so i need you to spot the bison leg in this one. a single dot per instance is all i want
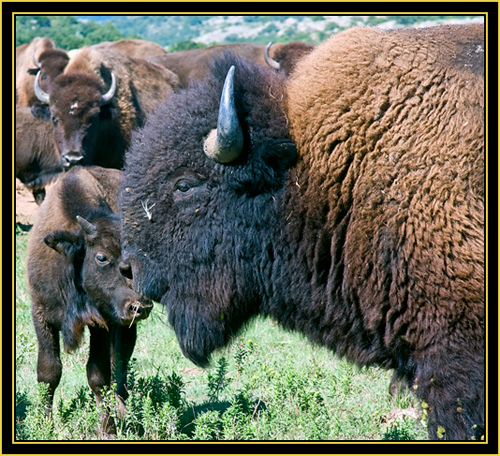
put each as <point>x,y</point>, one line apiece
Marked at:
<point>124,343</point>
<point>452,391</point>
<point>49,366</point>
<point>99,375</point>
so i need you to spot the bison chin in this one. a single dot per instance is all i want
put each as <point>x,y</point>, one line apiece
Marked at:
<point>200,329</point>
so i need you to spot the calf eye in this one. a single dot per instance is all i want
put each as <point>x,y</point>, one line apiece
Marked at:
<point>101,259</point>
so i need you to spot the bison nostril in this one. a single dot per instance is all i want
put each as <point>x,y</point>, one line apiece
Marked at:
<point>126,270</point>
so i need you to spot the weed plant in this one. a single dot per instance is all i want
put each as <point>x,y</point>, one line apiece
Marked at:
<point>267,385</point>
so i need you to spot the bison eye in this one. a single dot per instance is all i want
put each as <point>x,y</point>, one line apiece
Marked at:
<point>101,259</point>
<point>55,120</point>
<point>182,186</point>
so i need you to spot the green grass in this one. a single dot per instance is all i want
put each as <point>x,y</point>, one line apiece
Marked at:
<point>267,385</point>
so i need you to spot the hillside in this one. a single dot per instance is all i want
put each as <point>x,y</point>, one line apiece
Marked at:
<point>168,30</point>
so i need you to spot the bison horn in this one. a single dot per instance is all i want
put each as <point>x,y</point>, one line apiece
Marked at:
<point>35,61</point>
<point>225,143</point>
<point>271,62</point>
<point>40,94</point>
<point>88,227</point>
<point>106,98</point>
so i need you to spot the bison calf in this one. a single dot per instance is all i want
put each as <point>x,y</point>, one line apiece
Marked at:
<point>74,278</point>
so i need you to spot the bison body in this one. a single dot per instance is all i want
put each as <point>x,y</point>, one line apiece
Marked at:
<point>138,49</point>
<point>352,213</point>
<point>38,162</point>
<point>73,263</point>
<point>195,64</point>
<point>97,102</point>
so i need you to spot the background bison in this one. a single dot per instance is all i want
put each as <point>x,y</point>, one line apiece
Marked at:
<point>73,271</point>
<point>368,238</point>
<point>97,102</point>
<point>38,161</point>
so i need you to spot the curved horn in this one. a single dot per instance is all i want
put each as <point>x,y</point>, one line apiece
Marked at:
<point>225,143</point>
<point>106,98</point>
<point>88,227</point>
<point>271,62</point>
<point>35,61</point>
<point>40,94</point>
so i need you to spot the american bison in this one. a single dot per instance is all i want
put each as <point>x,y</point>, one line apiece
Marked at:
<point>347,204</point>
<point>38,161</point>
<point>287,56</point>
<point>73,266</point>
<point>26,56</point>
<point>138,49</point>
<point>194,64</point>
<point>97,102</point>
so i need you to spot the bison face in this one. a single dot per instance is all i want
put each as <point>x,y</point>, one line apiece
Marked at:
<point>197,233</point>
<point>76,104</point>
<point>95,251</point>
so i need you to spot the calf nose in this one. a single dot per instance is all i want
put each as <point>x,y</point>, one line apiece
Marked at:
<point>139,310</point>
<point>71,158</point>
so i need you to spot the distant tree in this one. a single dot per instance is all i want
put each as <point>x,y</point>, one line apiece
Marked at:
<point>185,45</point>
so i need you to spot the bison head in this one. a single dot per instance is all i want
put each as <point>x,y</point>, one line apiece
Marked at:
<point>77,104</point>
<point>197,201</point>
<point>95,253</point>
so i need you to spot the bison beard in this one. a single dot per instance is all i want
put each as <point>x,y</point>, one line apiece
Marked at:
<point>367,236</point>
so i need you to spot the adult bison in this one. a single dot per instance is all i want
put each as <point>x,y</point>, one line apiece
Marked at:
<point>73,273</point>
<point>38,161</point>
<point>27,56</point>
<point>194,64</point>
<point>363,229</point>
<point>138,49</point>
<point>97,102</point>
<point>287,56</point>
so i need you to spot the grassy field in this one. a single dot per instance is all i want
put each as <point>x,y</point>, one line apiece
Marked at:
<point>268,385</point>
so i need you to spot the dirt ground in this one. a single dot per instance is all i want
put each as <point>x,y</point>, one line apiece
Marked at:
<point>25,206</point>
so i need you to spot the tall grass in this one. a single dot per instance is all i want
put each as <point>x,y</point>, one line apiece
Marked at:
<point>267,385</point>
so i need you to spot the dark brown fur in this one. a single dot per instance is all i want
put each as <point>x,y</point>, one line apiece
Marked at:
<point>72,287</point>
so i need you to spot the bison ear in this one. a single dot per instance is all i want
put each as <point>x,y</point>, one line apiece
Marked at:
<point>40,111</point>
<point>63,242</point>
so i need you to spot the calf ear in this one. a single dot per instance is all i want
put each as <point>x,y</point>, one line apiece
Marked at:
<point>65,243</point>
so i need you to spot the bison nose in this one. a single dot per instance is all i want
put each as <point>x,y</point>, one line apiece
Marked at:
<point>71,158</point>
<point>125,270</point>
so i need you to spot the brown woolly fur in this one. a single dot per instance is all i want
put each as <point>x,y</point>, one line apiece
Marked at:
<point>399,151</point>
<point>138,49</point>
<point>354,213</point>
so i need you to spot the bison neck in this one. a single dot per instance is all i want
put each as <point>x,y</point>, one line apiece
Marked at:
<point>308,276</point>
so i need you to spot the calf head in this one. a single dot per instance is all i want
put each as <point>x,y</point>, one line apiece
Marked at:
<point>77,103</point>
<point>107,296</point>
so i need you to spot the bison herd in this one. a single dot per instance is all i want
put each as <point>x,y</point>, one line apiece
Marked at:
<point>338,190</point>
